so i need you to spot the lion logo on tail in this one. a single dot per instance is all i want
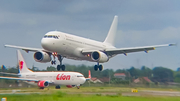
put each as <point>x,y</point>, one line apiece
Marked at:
<point>21,65</point>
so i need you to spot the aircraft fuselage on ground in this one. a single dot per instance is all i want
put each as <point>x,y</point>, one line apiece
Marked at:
<point>43,79</point>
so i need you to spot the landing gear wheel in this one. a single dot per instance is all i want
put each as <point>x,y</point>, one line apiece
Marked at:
<point>63,67</point>
<point>58,67</point>
<point>41,88</point>
<point>96,67</point>
<point>100,67</point>
<point>78,87</point>
<point>58,87</point>
<point>60,58</point>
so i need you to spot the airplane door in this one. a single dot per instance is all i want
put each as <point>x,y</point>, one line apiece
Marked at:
<point>73,77</point>
<point>67,45</point>
<point>67,48</point>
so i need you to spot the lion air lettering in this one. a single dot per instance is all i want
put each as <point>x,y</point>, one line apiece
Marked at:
<point>63,77</point>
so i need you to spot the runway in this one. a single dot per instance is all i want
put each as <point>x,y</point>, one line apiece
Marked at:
<point>125,93</point>
<point>21,92</point>
<point>152,93</point>
<point>139,93</point>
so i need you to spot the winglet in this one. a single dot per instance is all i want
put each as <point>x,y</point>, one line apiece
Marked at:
<point>173,44</point>
<point>89,76</point>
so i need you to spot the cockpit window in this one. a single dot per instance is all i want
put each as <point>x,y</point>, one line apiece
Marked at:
<point>80,76</point>
<point>51,36</point>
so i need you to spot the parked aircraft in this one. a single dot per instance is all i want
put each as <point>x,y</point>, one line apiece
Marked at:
<point>63,45</point>
<point>43,79</point>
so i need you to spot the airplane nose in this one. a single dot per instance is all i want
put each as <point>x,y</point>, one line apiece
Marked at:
<point>45,43</point>
<point>83,80</point>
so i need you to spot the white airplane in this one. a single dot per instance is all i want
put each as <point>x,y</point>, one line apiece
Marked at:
<point>63,45</point>
<point>43,79</point>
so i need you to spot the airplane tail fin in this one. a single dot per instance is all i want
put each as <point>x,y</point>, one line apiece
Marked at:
<point>22,64</point>
<point>89,75</point>
<point>3,67</point>
<point>112,32</point>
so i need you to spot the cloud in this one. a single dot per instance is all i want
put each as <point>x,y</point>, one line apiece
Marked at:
<point>141,23</point>
<point>170,33</point>
<point>148,37</point>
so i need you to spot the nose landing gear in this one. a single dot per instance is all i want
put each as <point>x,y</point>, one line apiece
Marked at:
<point>53,62</point>
<point>78,86</point>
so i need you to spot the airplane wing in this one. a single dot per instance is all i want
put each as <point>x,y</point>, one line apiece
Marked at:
<point>115,51</point>
<point>9,73</point>
<point>15,78</point>
<point>27,49</point>
<point>23,79</point>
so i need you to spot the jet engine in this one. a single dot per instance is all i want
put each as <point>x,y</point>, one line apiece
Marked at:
<point>70,86</point>
<point>43,84</point>
<point>99,56</point>
<point>42,57</point>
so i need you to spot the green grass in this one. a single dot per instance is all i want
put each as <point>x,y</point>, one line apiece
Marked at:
<point>82,90</point>
<point>60,96</point>
<point>83,94</point>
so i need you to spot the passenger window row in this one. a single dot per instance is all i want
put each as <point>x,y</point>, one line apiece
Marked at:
<point>80,76</point>
<point>51,36</point>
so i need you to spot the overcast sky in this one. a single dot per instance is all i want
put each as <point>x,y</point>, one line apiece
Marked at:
<point>141,23</point>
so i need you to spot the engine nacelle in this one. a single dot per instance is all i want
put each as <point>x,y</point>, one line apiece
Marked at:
<point>70,86</point>
<point>99,56</point>
<point>43,84</point>
<point>42,57</point>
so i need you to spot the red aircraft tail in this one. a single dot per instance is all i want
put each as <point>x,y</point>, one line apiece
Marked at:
<point>89,76</point>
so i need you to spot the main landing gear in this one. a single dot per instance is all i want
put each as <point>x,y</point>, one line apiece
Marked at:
<point>58,87</point>
<point>60,66</point>
<point>96,67</point>
<point>41,87</point>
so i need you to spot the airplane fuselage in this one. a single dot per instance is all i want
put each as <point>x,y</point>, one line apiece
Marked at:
<point>70,46</point>
<point>58,78</point>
